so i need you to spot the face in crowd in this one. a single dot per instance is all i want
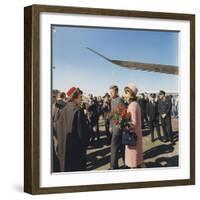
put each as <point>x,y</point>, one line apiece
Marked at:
<point>127,95</point>
<point>161,96</point>
<point>113,92</point>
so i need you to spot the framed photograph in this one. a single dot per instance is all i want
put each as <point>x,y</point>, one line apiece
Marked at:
<point>109,99</point>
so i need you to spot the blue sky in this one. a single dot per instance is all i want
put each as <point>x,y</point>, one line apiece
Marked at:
<point>77,66</point>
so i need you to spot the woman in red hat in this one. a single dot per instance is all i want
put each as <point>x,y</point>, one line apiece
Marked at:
<point>72,133</point>
<point>134,154</point>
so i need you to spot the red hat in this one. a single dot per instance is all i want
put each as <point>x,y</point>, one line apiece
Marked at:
<point>71,91</point>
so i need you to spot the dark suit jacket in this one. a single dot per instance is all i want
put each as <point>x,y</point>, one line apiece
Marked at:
<point>152,110</point>
<point>164,107</point>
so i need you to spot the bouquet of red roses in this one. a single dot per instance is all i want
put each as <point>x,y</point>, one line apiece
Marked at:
<point>121,118</point>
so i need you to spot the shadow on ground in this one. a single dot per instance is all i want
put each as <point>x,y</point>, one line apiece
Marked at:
<point>158,150</point>
<point>163,162</point>
<point>101,154</point>
<point>99,157</point>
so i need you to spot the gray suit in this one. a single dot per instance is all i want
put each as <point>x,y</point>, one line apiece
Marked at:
<point>116,141</point>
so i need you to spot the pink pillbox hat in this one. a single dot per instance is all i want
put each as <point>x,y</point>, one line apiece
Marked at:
<point>133,88</point>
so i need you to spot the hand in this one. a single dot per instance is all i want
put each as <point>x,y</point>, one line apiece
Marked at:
<point>163,115</point>
<point>110,115</point>
<point>131,126</point>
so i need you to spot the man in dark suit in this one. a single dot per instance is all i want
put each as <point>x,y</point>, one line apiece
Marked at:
<point>164,109</point>
<point>153,117</point>
<point>106,108</point>
<point>92,114</point>
<point>142,102</point>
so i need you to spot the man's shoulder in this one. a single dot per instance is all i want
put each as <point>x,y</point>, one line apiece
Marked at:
<point>70,108</point>
<point>116,101</point>
<point>119,100</point>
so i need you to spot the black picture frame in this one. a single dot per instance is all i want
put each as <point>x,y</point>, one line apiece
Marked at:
<point>32,97</point>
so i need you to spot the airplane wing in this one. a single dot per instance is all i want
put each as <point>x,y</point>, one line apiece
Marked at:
<point>167,69</point>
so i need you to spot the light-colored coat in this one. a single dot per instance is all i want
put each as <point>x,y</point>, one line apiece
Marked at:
<point>134,154</point>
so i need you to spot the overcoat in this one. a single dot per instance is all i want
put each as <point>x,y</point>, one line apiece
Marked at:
<point>72,134</point>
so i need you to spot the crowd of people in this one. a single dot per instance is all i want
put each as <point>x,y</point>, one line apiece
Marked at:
<point>75,120</point>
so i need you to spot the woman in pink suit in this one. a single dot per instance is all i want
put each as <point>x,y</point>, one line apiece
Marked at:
<point>134,154</point>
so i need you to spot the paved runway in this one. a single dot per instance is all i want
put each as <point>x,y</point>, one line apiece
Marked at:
<point>156,154</point>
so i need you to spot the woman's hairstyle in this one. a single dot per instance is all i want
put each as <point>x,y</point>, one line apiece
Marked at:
<point>132,94</point>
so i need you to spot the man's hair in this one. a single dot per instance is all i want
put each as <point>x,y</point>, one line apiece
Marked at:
<point>62,95</point>
<point>114,87</point>
<point>162,92</point>
<point>153,95</point>
<point>142,94</point>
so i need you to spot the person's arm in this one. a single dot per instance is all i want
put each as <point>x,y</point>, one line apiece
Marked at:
<point>83,130</point>
<point>55,141</point>
<point>168,108</point>
<point>134,118</point>
<point>159,108</point>
<point>147,109</point>
<point>60,143</point>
